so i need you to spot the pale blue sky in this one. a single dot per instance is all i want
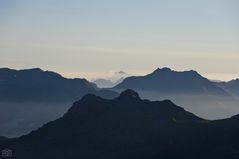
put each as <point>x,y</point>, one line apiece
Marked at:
<point>93,38</point>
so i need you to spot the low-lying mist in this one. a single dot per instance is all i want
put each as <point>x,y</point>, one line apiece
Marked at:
<point>205,106</point>
<point>18,119</point>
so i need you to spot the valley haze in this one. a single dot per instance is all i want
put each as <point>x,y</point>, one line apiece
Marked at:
<point>119,79</point>
<point>31,97</point>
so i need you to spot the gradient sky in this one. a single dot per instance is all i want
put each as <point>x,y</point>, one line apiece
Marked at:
<point>94,38</point>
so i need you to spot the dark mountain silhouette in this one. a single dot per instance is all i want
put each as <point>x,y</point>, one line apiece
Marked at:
<point>128,127</point>
<point>44,86</point>
<point>32,97</point>
<point>188,88</point>
<point>3,138</point>
<point>169,81</point>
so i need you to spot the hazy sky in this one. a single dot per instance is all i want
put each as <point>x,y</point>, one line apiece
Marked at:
<point>93,38</point>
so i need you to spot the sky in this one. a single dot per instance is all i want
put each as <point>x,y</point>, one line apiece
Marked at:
<point>95,38</point>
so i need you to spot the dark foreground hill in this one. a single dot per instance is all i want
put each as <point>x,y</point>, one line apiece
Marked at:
<point>130,128</point>
<point>36,85</point>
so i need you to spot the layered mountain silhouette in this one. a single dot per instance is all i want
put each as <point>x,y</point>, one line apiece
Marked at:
<point>44,86</point>
<point>103,83</point>
<point>128,127</point>
<point>169,81</point>
<point>32,97</point>
<point>188,88</point>
<point>112,81</point>
<point>231,86</point>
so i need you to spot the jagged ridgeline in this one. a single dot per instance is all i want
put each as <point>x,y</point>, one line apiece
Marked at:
<point>37,85</point>
<point>32,97</point>
<point>188,88</point>
<point>128,127</point>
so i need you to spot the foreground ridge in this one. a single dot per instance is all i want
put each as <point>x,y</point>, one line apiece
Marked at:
<point>128,127</point>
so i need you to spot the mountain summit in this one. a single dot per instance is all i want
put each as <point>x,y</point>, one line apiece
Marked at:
<point>36,85</point>
<point>101,128</point>
<point>166,80</point>
<point>129,94</point>
<point>164,69</point>
<point>188,88</point>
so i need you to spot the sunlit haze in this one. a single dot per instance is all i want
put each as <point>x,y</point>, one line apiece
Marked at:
<point>93,38</point>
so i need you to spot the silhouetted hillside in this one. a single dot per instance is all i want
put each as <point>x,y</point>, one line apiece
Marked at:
<point>44,86</point>
<point>128,127</point>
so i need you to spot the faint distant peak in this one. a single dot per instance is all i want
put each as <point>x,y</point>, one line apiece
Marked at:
<point>121,72</point>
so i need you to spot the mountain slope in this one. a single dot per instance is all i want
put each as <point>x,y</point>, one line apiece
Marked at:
<point>169,81</point>
<point>32,97</point>
<point>44,86</point>
<point>188,88</point>
<point>231,86</point>
<point>128,127</point>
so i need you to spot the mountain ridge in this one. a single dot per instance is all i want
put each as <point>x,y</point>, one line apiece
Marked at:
<point>231,86</point>
<point>168,80</point>
<point>116,128</point>
<point>38,85</point>
<point>188,88</point>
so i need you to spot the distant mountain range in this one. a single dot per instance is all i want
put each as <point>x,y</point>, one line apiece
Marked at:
<point>112,81</point>
<point>103,83</point>
<point>130,128</point>
<point>37,85</point>
<point>231,86</point>
<point>31,97</point>
<point>187,88</point>
<point>168,81</point>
